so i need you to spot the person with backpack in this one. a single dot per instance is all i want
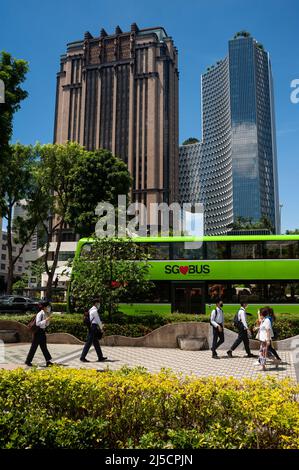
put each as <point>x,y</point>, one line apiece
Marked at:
<point>241,324</point>
<point>38,325</point>
<point>93,322</point>
<point>217,322</point>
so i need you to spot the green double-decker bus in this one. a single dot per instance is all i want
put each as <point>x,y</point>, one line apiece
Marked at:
<point>189,273</point>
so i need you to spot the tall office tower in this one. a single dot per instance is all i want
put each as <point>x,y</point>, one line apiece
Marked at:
<point>120,92</point>
<point>254,159</point>
<point>238,174</point>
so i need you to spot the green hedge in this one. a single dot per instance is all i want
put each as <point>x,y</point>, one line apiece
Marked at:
<point>287,325</point>
<point>59,306</point>
<point>83,409</point>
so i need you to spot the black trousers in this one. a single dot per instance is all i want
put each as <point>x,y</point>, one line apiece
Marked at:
<point>242,336</point>
<point>218,338</point>
<point>39,339</point>
<point>273,351</point>
<point>92,339</point>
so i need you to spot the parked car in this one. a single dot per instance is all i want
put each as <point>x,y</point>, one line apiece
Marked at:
<point>16,304</point>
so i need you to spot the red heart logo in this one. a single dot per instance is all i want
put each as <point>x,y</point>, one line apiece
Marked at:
<point>184,269</point>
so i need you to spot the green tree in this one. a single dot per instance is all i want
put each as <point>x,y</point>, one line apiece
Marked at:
<point>97,176</point>
<point>292,232</point>
<point>247,223</point>
<point>20,284</point>
<point>16,184</point>
<point>12,73</point>
<point>114,269</point>
<point>190,140</point>
<point>74,181</point>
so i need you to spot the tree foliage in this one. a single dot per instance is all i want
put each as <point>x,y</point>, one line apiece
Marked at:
<point>72,181</point>
<point>16,184</point>
<point>114,269</point>
<point>247,223</point>
<point>12,73</point>
<point>190,140</point>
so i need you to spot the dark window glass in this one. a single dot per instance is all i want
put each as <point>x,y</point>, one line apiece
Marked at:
<point>218,290</point>
<point>264,292</point>
<point>243,250</point>
<point>183,250</point>
<point>286,249</point>
<point>19,299</point>
<point>218,250</point>
<point>158,250</point>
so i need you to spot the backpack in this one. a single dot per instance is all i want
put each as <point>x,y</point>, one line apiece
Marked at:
<point>215,310</point>
<point>86,319</point>
<point>32,324</point>
<point>237,323</point>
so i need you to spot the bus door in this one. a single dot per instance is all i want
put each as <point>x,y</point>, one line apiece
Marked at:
<point>188,297</point>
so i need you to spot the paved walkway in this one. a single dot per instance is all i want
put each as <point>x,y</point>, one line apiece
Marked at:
<point>198,363</point>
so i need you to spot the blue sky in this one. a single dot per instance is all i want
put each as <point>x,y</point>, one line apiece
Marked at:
<point>39,30</point>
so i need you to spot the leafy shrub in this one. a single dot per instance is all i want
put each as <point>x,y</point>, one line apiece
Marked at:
<point>59,306</point>
<point>286,325</point>
<point>61,408</point>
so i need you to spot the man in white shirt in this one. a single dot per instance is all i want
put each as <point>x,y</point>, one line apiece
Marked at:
<point>217,322</point>
<point>95,327</point>
<point>42,320</point>
<point>242,333</point>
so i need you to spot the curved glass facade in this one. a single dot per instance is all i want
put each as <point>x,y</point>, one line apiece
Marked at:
<point>216,169</point>
<point>237,174</point>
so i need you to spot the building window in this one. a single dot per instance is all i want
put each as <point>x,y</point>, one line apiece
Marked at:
<point>3,256</point>
<point>2,267</point>
<point>4,236</point>
<point>4,247</point>
<point>20,269</point>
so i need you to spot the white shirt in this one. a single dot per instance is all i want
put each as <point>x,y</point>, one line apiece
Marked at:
<point>217,317</point>
<point>242,317</point>
<point>42,320</point>
<point>265,327</point>
<point>94,317</point>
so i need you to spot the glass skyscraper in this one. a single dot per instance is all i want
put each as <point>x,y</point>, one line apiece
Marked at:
<point>238,172</point>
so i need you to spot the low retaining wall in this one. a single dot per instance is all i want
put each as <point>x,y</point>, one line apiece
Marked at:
<point>164,337</point>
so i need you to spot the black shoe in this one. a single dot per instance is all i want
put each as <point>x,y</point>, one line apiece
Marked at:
<point>102,359</point>
<point>49,363</point>
<point>251,355</point>
<point>84,360</point>
<point>229,353</point>
<point>29,364</point>
<point>215,356</point>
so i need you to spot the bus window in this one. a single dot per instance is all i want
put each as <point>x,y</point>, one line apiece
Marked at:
<point>247,250</point>
<point>218,250</point>
<point>218,290</point>
<point>179,251</point>
<point>158,250</point>
<point>285,249</point>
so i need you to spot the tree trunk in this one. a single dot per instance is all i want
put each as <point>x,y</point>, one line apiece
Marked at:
<point>54,265</point>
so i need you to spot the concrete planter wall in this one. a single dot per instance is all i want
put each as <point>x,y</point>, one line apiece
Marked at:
<point>187,335</point>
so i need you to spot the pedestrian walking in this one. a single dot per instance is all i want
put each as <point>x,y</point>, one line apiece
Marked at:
<point>271,349</point>
<point>265,334</point>
<point>95,327</point>
<point>241,324</point>
<point>217,322</point>
<point>38,326</point>
<point>268,312</point>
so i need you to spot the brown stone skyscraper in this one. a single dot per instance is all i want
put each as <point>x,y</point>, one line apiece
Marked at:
<point>120,92</point>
